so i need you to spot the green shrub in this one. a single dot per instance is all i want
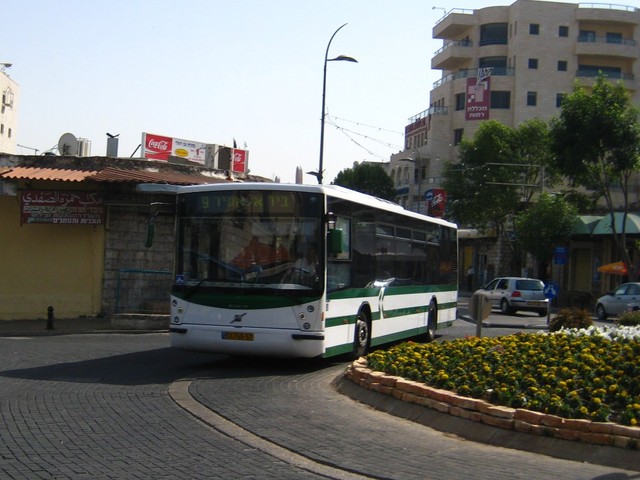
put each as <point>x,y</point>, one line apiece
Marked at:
<point>570,318</point>
<point>629,319</point>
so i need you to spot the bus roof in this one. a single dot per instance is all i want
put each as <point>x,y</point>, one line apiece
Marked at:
<point>335,191</point>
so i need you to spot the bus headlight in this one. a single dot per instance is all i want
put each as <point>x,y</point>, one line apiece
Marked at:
<point>306,325</point>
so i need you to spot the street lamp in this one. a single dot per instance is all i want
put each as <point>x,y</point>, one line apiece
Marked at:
<point>340,58</point>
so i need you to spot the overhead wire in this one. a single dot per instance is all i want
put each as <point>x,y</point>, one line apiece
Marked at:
<point>350,134</point>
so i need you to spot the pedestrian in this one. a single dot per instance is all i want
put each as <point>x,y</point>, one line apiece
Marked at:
<point>470,273</point>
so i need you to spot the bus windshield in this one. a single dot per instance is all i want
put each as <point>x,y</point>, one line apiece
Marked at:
<point>250,239</point>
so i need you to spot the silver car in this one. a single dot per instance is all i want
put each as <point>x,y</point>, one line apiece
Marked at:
<point>513,294</point>
<point>623,298</point>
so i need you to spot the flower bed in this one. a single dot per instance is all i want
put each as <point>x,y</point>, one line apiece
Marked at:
<point>591,374</point>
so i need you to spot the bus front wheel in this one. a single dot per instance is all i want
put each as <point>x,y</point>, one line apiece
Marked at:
<point>361,337</point>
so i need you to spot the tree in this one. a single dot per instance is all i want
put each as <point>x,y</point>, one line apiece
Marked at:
<point>368,178</point>
<point>596,144</point>
<point>498,172</point>
<point>545,225</point>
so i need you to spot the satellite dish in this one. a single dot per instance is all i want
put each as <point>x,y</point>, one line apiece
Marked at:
<point>68,144</point>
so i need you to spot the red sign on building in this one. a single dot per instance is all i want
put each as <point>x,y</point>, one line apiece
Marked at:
<point>157,147</point>
<point>478,99</point>
<point>436,200</point>
<point>239,160</point>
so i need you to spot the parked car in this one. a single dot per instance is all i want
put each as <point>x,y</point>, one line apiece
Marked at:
<point>623,298</point>
<point>513,294</point>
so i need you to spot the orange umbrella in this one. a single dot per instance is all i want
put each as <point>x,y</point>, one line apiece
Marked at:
<point>617,268</point>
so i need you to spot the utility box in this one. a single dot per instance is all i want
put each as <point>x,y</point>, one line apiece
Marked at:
<point>479,307</point>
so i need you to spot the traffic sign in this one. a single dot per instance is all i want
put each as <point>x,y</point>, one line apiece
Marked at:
<point>551,290</point>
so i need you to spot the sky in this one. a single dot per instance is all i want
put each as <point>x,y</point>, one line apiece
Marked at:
<point>216,71</point>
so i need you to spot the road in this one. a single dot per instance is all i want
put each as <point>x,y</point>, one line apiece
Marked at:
<point>113,406</point>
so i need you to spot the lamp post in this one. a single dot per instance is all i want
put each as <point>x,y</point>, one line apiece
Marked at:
<point>340,58</point>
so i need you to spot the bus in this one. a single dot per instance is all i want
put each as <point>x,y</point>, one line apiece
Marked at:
<point>293,270</point>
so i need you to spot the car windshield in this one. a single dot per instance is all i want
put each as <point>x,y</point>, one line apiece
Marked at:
<point>533,285</point>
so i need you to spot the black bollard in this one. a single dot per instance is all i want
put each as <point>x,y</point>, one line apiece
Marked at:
<point>50,318</point>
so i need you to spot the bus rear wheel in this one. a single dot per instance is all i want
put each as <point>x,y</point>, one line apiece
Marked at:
<point>362,336</point>
<point>432,321</point>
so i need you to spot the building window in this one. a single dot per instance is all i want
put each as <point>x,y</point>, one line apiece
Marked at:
<point>2,129</point>
<point>532,99</point>
<point>460,104</point>
<point>559,99</point>
<point>493,34</point>
<point>501,99</point>
<point>457,135</point>
<point>614,37</point>
<point>562,65</point>
<point>533,63</point>
<point>587,36</point>
<point>563,31</point>
<point>9,133</point>
<point>534,29</point>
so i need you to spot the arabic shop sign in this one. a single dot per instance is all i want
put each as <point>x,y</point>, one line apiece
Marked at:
<point>61,207</point>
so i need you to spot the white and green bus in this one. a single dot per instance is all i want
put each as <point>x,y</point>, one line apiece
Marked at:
<point>306,271</point>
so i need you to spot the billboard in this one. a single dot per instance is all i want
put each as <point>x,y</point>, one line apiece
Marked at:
<point>239,160</point>
<point>478,96</point>
<point>436,202</point>
<point>159,147</point>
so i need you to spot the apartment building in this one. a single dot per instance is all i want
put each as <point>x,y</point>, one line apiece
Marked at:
<point>8,111</point>
<point>510,64</point>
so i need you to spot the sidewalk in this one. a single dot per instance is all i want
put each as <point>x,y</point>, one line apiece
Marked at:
<point>67,326</point>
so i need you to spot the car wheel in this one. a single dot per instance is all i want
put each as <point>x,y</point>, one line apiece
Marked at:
<point>505,309</point>
<point>542,313</point>
<point>601,312</point>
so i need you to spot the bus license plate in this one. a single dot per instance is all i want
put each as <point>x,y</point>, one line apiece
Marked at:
<point>247,337</point>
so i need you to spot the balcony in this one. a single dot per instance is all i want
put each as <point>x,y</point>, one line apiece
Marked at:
<point>606,46</point>
<point>587,77</point>
<point>452,55</point>
<point>471,72</point>
<point>601,13</point>
<point>454,24</point>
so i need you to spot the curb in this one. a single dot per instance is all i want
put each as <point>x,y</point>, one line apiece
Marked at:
<point>607,444</point>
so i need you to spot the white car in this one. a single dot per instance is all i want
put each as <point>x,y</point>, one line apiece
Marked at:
<point>623,298</point>
<point>513,294</point>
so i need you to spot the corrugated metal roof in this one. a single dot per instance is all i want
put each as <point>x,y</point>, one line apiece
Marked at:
<point>111,174</point>
<point>59,174</point>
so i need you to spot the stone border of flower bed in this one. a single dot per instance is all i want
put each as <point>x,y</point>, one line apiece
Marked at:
<point>517,419</point>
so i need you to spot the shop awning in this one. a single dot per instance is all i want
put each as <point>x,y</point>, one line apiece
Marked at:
<point>586,224</point>
<point>603,227</point>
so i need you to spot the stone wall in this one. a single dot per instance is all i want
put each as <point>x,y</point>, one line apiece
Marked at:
<point>132,282</point>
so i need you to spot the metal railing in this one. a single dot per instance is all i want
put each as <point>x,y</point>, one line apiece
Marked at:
<point>142,291</point>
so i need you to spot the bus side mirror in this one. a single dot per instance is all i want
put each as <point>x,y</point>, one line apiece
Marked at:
<point>334,241</point>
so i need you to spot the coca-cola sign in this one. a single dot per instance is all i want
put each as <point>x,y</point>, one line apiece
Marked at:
<point>239,160</point>
<point>157,147</point>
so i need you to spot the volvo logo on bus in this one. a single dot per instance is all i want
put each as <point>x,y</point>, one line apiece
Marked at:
<point>238,317</point>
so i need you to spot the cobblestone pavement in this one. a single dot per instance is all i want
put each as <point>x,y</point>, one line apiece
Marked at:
<point>98,406</point>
